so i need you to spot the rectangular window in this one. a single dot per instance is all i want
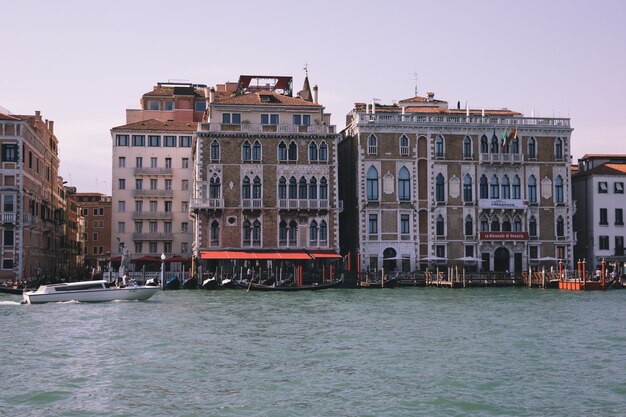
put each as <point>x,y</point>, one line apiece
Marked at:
<point>185,142</point>
<point>440,251</point>
<point>619,245</point>
<point>168,206</point>
<point>8,237</point>
<point>121,227</point>
<point>604,243</point>
<point>167,227</point>
<point>139,206</point>
<point>95,236</point>
<point>603,187</point>
<point>297,119</point>
<point>533,252</point>
<point>185,162</point>
<point>604,216</point>
<point>154,105</point>
<point>469,251</point>
<point>138,247</point>
<point>121,162</point>
<point>184,184</point>
<point>200,105</point>
<point>138,184</point>
<point>138,227</point>
<point>139,140</point>
<point>153,206</point>
<point>153,183</point>
<point>7,263</point>
<point>120,140</point>
<point>101,211</point>
<point>95,223</point>
<point>168,162</point>
<point>404,224</point>
<point>154,141</point>
<point>121,206</point>
<point>184,206</point>
<point>169,105</point>
<point>139,162</point>
<point>184,227</point>
<point>153,162</point>
<point>152,226</point>
<point>169,141</point>
<point>152,247</point>
<point>373,224</point>
<point>269,119</point>
<point>167,247</point>
<point>168,184</point>
<point>121,184</point>
<point>618,188</point>
<point>184,247</point>
<point>619,217</point>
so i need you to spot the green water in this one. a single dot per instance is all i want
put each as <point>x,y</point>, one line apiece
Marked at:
<point>346,352</point>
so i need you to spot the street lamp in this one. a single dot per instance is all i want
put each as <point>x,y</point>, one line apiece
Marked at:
<point>162,270</point>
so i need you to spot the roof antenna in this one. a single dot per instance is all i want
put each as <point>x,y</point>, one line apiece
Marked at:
<point>415,79</point>
<point>306,69</point>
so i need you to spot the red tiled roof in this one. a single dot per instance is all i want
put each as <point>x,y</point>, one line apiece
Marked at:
<point>603,155</point>
<point>153,124</point>
<point>604,169</point>
<point>418,99</point>
<point>437,110</point>
<point>8,117</point>
<point>254,99</point>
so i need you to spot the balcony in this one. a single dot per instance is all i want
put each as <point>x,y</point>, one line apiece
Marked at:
<point>153,193</point>
<point>30,220</point>
<point>472,119</point>
<point>153,236</point>
<point>259,128</point>
<point>252,203</point>
<point>501,158</point>
<point>295,204</point>
<point>207,203</point>
<point>8,217</point>
<point>152,215</point>
<point>153,171</point>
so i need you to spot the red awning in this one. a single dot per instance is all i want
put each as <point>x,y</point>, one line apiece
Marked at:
<point>325,255</point>
<point>254,255</point>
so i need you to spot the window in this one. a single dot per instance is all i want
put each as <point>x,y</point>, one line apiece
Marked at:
<point>121,162</point>
<point>558,190</point>
<point>313,233</point>
<point>121,184</point>
<point>495,187</point>
<point>532,148</point>
<point>152,227</point>
<point>154,141</point>
<point>153,206</point>
<point>293,151</point>
<point>302,189</point>
<point>246,151</point>
<point>153,184</point>
<point>168,206</point>
<point>154,105</point>
<point>8,203</point>
<point>184,227</point>
<point>469,251</point>
<point>312,151</point>
<point>138,184</point>
<point>558,148</point>
<point>560,227</point>
<point>214,187</point>
<point>619,217</point>
<point>619,245</point>
<point>514,146</point>
<point>167,227</point>
<point>372,184</point>
<point>516,188</point>
<point>282,233</point>
<point>323,189</point>
<point>313,189</point>
<point>282,188</point>
<point>138,247</point>
<point>293,233</point>
<point>440,188</point>
<point>517,224</point>
<point>169,105</point>
<point>185,142</point>
<point>168,163</point>
<point>484,187</point>
<point>120,140</point>
<point>152,247</point>
<point>95,236</point>
<point>256,151</point>
<point>323,156</point>
<point>121,227</point>
<point>484,144</point>
<point>139,140</point>
<point>231,118</point>
<point>467,147</point>
<point>282,151</point>
<point>439,147</point>
<point>185,163</point>
<point>139,162</point>
<point>404,185</point>
<point>440,251</point>
<point>169,141</point>
<point>139,206</point>
<point>269,119</point>
<point>532,189</point>
<point>8,237</point>
<point>604,242</point>
<point>439,226</point>
<point>469,226</point>
<point>495,224</point>
<point>301,119</point>
<point>200,105</point>
<point>604,217</point>
<point>484,224</point>
<point>603,187</point>
<point>121,206</point>
<point>153,162</point>
<point>215,150</point>
<point>373,224</point>
<point>372,145</point>
<point>506,188</point>
<point>618,188</point>
<point>404,224</point>
<point>323,232</point>
<point>404,145</point>
<point>533,252</point>
<point>494,144</point>
<point>293,188</point>
<point>215,233</point>
<point>245,188</point>
<point>168,184</point>
<point>184,185</point>
<point>256,188</point>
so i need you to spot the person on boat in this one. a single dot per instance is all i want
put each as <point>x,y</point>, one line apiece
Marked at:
<point>124,280</point>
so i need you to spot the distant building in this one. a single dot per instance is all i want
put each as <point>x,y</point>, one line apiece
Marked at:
<point>96,210</point>
<point>265,173</point>
<point>33,208</point>
<point>598,191</point>
<point>426,186</point>
<point>152,172</point>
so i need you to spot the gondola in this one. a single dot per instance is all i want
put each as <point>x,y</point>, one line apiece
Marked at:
<point>172,284</point>
<point>312,287</point>
<point>388,283</point>
<point>210,284</point>
<point>190,283</point>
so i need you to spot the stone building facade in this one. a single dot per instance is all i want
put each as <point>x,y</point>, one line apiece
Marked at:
<point>433,187</point>
<point>96,211</point>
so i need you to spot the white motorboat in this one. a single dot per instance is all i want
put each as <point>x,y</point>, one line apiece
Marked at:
<point>87,291</point>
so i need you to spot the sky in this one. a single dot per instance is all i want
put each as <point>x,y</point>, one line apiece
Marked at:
<point>83,63</point>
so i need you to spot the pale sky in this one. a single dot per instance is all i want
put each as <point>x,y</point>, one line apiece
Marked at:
<point>83,63</point>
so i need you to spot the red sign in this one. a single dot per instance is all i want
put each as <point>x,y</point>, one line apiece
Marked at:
<point>503,235</point>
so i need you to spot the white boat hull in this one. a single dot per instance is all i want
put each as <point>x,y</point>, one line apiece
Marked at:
<point>48,294</point>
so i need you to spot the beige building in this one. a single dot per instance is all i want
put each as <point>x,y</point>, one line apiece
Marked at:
<point>426,186</point>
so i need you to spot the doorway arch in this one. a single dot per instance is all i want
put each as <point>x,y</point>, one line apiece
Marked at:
<point>389,259</point>
<point>501,260</point>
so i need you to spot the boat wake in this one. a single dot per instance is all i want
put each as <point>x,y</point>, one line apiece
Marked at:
<point>10,303</point>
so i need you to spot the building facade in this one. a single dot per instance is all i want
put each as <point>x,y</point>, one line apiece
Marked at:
<point>431,187</point>
<point>96,211</point>
<point>33,208</point>
<point>265,171</point>
<point>598,190</point>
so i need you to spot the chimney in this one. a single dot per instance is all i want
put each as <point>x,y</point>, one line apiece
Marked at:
<point>206,96</point>
<point>430,95</point>
<point>373,107</point>
<point>51,127</point>
<point>315,94</point>
<point>211,95</point>
<point>37,115</point>
<point>367,108</point>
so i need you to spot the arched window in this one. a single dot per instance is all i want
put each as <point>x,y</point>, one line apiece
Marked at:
<point>532,226</point>
<point>293,233</point>
<point>256,151</point>
<point>323,152</point>
<point>302,188</point>
<point>245,188</point>
<point>282,233</point>
<point>215,233</point>
<point>293,151</point>
<point>313,189</point>
<point>484,144</point>
<point>517,224</point>
<point>506,187</point>
<point>372,145</point>
<point>440,225</point>
<point>532,189</point>
<point>560,227</point>
<point>214,187</point>
<point>372,184</point>
<point>484,187</point>
<point>313,233</point>
<point>495,224</point>
<point>282,188</point>
<point>467,188</point>
<point>404,145</point>
<point>517,193</point>
<point>494,144</point>
<point>467,147</point>
<point>323,189</point>
<point>256,188</point>
<point>514,147</point>
<point>440,188</point>
<point>506,225</point>
<point>404,184</point>
<point>215,150</point>
<point>532,148</point>
<point>558,148</point>
<point>246,152</point>
<point>256,233</point>
<point>282,151</point>
<point>484,224</point>
<point>293,188</point>
<point>558,190</point>
<point>469,226</point>
<point>495,187</point>
<point>439,147</point>
<point>323,232</point>
<point>312,151</point>
<point>247,233</point>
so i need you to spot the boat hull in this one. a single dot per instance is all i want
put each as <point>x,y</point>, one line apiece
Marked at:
<point>92,296</point>
<point>260,287</point>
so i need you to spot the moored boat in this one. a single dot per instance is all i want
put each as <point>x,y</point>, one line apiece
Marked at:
<point>87,291</point>
<point>311,287</point>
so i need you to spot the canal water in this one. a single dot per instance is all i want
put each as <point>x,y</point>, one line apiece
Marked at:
<point>344,352</point>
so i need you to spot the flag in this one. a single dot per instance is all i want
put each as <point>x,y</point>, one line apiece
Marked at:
<point>513,134</point>
<point>504,138</point>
